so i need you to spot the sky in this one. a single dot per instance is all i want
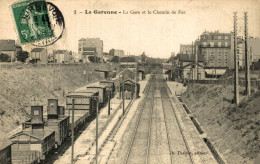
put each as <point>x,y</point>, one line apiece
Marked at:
<point>155,34</point>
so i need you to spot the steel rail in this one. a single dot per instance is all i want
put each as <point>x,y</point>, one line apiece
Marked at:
<point>138,122</point>
<point>167,130</point>
<point>178,122</point>
<point>149,133</point>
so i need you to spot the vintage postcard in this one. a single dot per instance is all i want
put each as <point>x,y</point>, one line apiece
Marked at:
<point>129,81</point>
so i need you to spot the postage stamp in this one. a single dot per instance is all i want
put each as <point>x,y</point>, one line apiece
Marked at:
<point>32,21</point>
<point>38,22</point>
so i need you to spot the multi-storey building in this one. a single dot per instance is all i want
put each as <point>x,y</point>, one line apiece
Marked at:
<point>86,43</point>
<point>62,56</point>
<point>8,47</point>
<point>216,49</point>
<point>186,49</point>
<point>119,53</point>
<point>39,55</point>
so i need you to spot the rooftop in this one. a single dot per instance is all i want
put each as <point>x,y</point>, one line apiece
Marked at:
<point>36,133</point>
<point>7,45</point>
<point>37,49</point>
<point>86,94</point>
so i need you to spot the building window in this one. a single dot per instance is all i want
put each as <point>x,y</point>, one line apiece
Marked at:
<point>225,57</point>
<point>226,37</point>
<point>219,44</point>
<point>215,37</point>
<point>79,49</point>
<point>226,44</point>
<point>219,37</point>
<point>211,44</point>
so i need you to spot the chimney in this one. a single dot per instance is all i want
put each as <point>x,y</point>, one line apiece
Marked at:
<point>37,117</point>
<point>52,109</point>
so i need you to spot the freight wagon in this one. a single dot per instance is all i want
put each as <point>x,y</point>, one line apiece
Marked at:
<point>36,138</point>
<point>84,106</point>
<point>5,151</point>
<point>110,84</point>
<point>102,91</point>
<point>57,121</point>
<point>84,100</point>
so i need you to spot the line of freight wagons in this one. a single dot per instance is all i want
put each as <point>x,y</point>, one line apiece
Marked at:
<point>41,135</point>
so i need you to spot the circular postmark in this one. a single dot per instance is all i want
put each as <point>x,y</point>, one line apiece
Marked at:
<point>41,24</point>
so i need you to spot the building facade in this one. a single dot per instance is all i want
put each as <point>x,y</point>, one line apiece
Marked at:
<point>62,56</point>
<point>40,55</point>
<point>186,49</point>
<point>216,49</point>
<point>119,53</point>
<point>254,48</point>
<point>86,43</point>
<point>8,47</point>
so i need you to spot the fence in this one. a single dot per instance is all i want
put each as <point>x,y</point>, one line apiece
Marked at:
<point>255,83</point>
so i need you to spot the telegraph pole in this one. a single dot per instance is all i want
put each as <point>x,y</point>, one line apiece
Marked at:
<point>109,97</point>
<point>136,81</point>
<point>247,60</point>
<point>72,133</point>
<point>196,63</point>
<point>97,130</point>
<point>123,94</point>
<point>236,89</point>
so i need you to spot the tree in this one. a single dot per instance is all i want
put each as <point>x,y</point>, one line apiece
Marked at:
<point>4,58</point>
<point>22,56</point>
<point>91,58</point>
<point>112,52</point>
<point>115,59</point>
<point>143,57</point>
<point>105,54</point>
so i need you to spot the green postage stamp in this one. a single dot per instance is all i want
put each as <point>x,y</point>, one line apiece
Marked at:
<point>32,20</point>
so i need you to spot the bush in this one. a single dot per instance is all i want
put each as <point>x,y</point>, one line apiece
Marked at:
<point>22,56</point>
<point>5,58</point>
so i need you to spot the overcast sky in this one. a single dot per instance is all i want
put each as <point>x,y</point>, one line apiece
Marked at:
<point>156,34</point>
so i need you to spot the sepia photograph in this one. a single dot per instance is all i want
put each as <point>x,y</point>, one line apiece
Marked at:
<point>129,81</point>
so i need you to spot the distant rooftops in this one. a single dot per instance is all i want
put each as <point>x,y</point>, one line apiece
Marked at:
<point>37,49</point>
<point>7,45</point>
<point>189,58</point>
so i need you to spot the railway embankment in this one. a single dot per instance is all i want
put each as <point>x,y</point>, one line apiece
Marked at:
<point>23,87</point>
<point>234,130</point>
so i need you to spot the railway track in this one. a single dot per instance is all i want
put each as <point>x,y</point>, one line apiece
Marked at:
<point>178,147</point>
<point>138,151</point>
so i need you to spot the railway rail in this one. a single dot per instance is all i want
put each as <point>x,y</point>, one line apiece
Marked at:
<point>176,139</point>
<point>138,151</point>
